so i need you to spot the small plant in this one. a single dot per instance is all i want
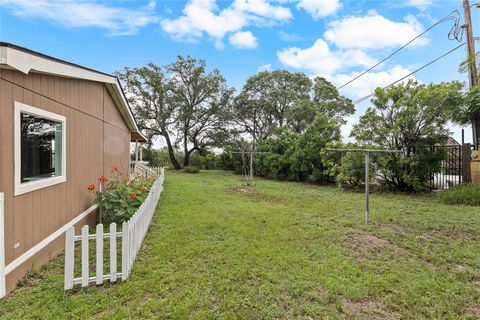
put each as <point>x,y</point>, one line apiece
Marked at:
<point>191,169</point>
<point>466,194</point>
<point>118,197</point>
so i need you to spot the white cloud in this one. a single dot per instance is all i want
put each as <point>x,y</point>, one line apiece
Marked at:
<point>421,4</point>
<point>203,17</point>
<point>367,83</point>
<point>76,14</point>
<point>263,8</point>
<point>243,40</point>
<point>320,60</point>
<point>319,8</point>
<point>288,37</point>
<point>373,32</point>
<point>265,67</point>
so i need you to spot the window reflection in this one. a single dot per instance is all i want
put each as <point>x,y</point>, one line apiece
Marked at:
<point>41,148</point>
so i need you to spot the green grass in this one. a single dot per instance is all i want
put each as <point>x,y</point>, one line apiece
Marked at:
<point>217,250</point>
<point>468,194</point>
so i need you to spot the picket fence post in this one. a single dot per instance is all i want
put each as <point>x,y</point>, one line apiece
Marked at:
<point>113,252</point>
<point>85,270</point>
<point>69,257</point>
<point>99,260</point>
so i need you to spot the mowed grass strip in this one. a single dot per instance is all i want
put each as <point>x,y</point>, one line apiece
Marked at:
<point>281,250</point>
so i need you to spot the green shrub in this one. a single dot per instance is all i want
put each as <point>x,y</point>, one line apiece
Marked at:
<point>191,169</point>
<point>466,194</point>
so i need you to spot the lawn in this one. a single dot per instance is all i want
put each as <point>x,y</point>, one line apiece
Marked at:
<point>218,250</point>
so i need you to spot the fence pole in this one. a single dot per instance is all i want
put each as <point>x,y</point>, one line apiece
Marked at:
<point>124,251</point>
<point>113,252</point>
<point>69,257</point>
<point>99,260</point>
<point>367,178</point>
<point>466,158</point>
<point>85,256</point>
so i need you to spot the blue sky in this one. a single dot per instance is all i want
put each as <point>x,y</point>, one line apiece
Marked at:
<point>332,38</point>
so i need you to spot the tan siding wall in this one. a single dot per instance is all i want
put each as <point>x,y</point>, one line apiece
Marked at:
<point>93,146</point>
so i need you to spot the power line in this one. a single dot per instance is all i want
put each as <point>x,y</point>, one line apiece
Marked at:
<point>456,32</point>
<point>415,71</point>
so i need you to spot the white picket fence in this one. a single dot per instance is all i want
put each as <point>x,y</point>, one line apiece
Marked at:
<point>140,169</point>
<point>132,234</point>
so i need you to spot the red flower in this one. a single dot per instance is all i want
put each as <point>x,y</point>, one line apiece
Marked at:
<point>102,179</point>
<point>133,196</point>
<point>91,187</point>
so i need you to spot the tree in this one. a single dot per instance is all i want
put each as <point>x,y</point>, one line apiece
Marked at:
<point>203,101</point>
<point>329,101</point>
<point>301,115</point>
<point>180,103</point>
<point>411,117</point>
<point>148,94</point>
<point>266,99</point>
<point>297,156</point>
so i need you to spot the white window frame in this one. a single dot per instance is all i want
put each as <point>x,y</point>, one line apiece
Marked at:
<point>21,188</point>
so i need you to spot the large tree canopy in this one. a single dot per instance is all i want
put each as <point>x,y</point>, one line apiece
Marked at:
<point>267,97</point>
<point>282,98</point>
<point>329,101</point>
<point>203,103</point>
<point>181,103</point>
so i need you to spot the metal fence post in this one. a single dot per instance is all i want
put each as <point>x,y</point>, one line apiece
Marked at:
<point>367,178</point>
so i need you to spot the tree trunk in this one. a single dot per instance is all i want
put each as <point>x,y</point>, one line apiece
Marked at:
<point>186,154</point>
<point>186,159</point>
<point>171,153</point>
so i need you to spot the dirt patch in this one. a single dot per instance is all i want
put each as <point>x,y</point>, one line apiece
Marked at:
<point>362,243</point>
<point>30,279</point>
<point>255,195</point>
<point>366,310</point>
<point>475,310</point>
<point>146,296</point>
<point>398,229</point>
<point>242,189</point>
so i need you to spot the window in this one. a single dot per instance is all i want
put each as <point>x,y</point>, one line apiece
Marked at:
<point>39,148</point>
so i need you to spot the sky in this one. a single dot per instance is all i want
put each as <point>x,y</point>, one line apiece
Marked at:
<point>335,39</point>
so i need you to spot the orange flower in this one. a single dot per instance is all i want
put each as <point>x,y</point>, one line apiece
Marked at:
<point>115,169</point>
<point>102,179</point>
<point>133,196</point>
<point>91,187</point>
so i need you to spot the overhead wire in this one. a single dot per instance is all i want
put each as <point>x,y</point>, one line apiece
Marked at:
<point>413,72</point>
<point>455,33</point>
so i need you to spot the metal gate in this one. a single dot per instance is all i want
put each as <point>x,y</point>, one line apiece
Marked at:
<point>455,168</point>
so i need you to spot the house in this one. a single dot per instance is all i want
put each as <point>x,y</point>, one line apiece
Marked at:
<point>61,127</point>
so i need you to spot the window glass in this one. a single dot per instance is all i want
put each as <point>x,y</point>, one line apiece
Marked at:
<point>41,147</point>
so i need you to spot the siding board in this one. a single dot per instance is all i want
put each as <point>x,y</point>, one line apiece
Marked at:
<point>6,128</point>
<point>93,146</point>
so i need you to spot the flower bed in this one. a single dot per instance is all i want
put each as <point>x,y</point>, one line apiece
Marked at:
<point>118,196</point>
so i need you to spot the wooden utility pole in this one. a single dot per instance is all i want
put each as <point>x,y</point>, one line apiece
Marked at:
<point>472,68</point>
